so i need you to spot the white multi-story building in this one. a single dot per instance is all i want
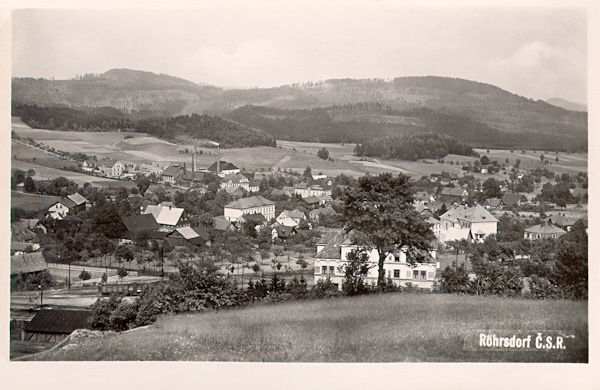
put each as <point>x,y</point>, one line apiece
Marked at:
<point>252,205</point>
<point>234,180</point>
<point>469,223</point>
<point>304,190</point>
<point>330,260</point>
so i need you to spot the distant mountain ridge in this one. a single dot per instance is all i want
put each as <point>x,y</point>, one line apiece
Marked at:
<point>492,107</point>
<point>567,105</point>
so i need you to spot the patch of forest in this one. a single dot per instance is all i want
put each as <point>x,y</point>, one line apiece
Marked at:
<point>214,128</point>
<point>413,146</point>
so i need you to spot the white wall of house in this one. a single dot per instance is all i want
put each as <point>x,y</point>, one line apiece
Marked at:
<point>396,268</point>
<point>58,211</point>
<point>232,214</point>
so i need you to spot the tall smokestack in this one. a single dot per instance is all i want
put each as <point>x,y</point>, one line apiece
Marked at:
<point>218,160</point>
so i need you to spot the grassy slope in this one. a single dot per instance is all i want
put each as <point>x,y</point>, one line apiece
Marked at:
<point>390,328</point>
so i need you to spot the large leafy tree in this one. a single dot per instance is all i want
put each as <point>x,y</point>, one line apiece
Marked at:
<point>380,214</point>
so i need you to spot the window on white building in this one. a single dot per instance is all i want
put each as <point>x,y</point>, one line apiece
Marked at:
<point>415,274</point>
<point>331,270</point>
<point>423,274</point>
<point>396,273</point>
<point>324,269</point>
<point>397,258</point>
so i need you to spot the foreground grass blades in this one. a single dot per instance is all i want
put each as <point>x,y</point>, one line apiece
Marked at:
<point>388,328</point>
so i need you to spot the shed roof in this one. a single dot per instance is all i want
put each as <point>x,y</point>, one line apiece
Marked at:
<point>138,223</point>
<point>253,201</point>
<point>77,198</point>
<point>165,215</point>
<point>58,321</point>
<point>27,263</point>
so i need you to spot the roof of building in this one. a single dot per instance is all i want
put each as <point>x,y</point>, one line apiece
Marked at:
<point>165,215</point>
<point>562,220</point>
<point>138,223</point>
<point>256,218</point>
<point>327,234</point>
<point>493,202</point>
<point>235,191</point>
<point>58,321</point>
<point>225,166</point>
<point>333,249</point>
<point>190,233</point>
<point>68,203</point>
<point>253,201</point>
<point>19,246</point>
<point>453,191</point>
<point>235,178</point>
<point>323,211</point>
<point>285,231</point>
<point>546,228</point>
<point>292,214</point>
<point>469,214</point>
<point>22,234</point>
<point>287,222</point>
<point>509,199</point>
<point>27,262</point>
<point>173,170</point>
<point>222,223</point>
<point>311,200</point>
<point>77,198</point>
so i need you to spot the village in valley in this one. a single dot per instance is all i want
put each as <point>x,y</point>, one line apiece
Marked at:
<point>299,182</point>
<point>131,228</point>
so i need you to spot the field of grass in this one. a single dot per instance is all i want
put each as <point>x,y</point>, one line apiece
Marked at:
<point>288,155</point>
<point>31,201</point>
<point>389,328</point>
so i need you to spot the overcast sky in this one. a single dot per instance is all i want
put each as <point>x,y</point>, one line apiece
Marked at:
<point>534,52</point>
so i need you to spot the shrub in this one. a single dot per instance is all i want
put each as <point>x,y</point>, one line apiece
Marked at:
<point>542,288</point>
<point>455,279</point>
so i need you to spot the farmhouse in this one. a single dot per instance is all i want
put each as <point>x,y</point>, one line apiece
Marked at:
<point>251,205</point>
<point>234,180</point>
<point>457,195</point>
<point>172,173</point>
<point>470,223</point>
<point>295,215</point>
<point>283,232</point>
<point>512,200</point>
<point>543,231</point>
<point>223,224</point>
<point>189,236</point>
<point>317,214</point>
<point>330,260</point>
<point>143,225</point>
<point>112,168</point>
<point>167,215</point>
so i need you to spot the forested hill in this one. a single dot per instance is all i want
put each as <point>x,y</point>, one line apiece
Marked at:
<point>496,109</point>
<point>200,127</point>
<point>361,122</point>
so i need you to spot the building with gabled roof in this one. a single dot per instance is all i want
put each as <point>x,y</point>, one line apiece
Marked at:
<point>112,168</point>
<point>283,232</point>
<point>168,216</point>
<point>295,215</point>
<point>331,258</point>
<point>251,205</point>
<point>305,190</point>
<point>470,223</point>
<point>449,194</point>
<point>224,168</point>
<point>60,209</point>
<point>187,235</point>
<point>223,224</point>
<point>172,173</point>
<point>55,325</point>
<point>27,263</point>
<point>234,180</point>
<point>543,231</point>
<point>511,200</point>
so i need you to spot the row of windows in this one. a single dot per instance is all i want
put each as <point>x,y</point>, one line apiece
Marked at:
<point>416,274</point>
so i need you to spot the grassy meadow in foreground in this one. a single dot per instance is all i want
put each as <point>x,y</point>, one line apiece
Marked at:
<point>389,328</point>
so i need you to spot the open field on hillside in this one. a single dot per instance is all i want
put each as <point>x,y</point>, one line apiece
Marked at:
<point>288,155</point>
<point>388,328</point>
<point>45,173</point>
<point>26,153</point>
<point>31,202</point>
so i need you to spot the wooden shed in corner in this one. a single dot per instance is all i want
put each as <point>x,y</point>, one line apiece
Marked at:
<point>55,325</point>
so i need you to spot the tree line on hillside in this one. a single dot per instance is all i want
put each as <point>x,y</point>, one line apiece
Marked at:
<point>225,132</point>
<point>358,122</point>
<point>412,147</point>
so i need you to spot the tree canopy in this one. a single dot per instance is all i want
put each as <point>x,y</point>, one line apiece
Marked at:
<point>380,215</point>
